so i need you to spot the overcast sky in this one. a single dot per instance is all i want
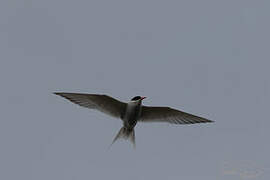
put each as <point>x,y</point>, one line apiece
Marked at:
<point>209,58</point>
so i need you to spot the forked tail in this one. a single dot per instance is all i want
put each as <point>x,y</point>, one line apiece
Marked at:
<point>126,134</point>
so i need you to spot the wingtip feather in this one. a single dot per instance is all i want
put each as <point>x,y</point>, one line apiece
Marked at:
<point>209,121</point>
<point>58,93</point>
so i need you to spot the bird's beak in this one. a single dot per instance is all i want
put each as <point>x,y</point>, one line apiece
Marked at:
<point>143,97</point>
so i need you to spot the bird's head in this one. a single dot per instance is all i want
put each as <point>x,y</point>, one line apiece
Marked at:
<point>137,99</point>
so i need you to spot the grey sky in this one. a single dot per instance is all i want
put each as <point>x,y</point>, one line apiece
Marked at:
<point>210,58</point>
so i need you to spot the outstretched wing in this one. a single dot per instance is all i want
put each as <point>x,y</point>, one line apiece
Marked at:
<point>167,114</point>
<point>103,103</point>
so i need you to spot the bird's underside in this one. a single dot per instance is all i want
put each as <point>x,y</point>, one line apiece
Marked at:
<point>117,109</point>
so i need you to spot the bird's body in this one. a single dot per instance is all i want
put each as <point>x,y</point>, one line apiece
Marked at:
<point>132,112</point>
<point>130,118</point>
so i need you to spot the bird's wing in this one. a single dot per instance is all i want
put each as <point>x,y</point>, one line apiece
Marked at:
<point>103,103</point>
<point>167,114</point>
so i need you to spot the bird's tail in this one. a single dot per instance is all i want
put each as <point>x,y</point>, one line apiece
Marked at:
<point>126,134</point>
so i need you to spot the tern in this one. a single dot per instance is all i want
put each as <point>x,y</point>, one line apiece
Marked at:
<point>132,112</point>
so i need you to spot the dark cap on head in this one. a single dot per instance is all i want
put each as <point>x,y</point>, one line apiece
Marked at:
<point>136,98</point>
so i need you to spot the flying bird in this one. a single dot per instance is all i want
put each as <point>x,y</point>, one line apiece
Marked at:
<point>132,112</point>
